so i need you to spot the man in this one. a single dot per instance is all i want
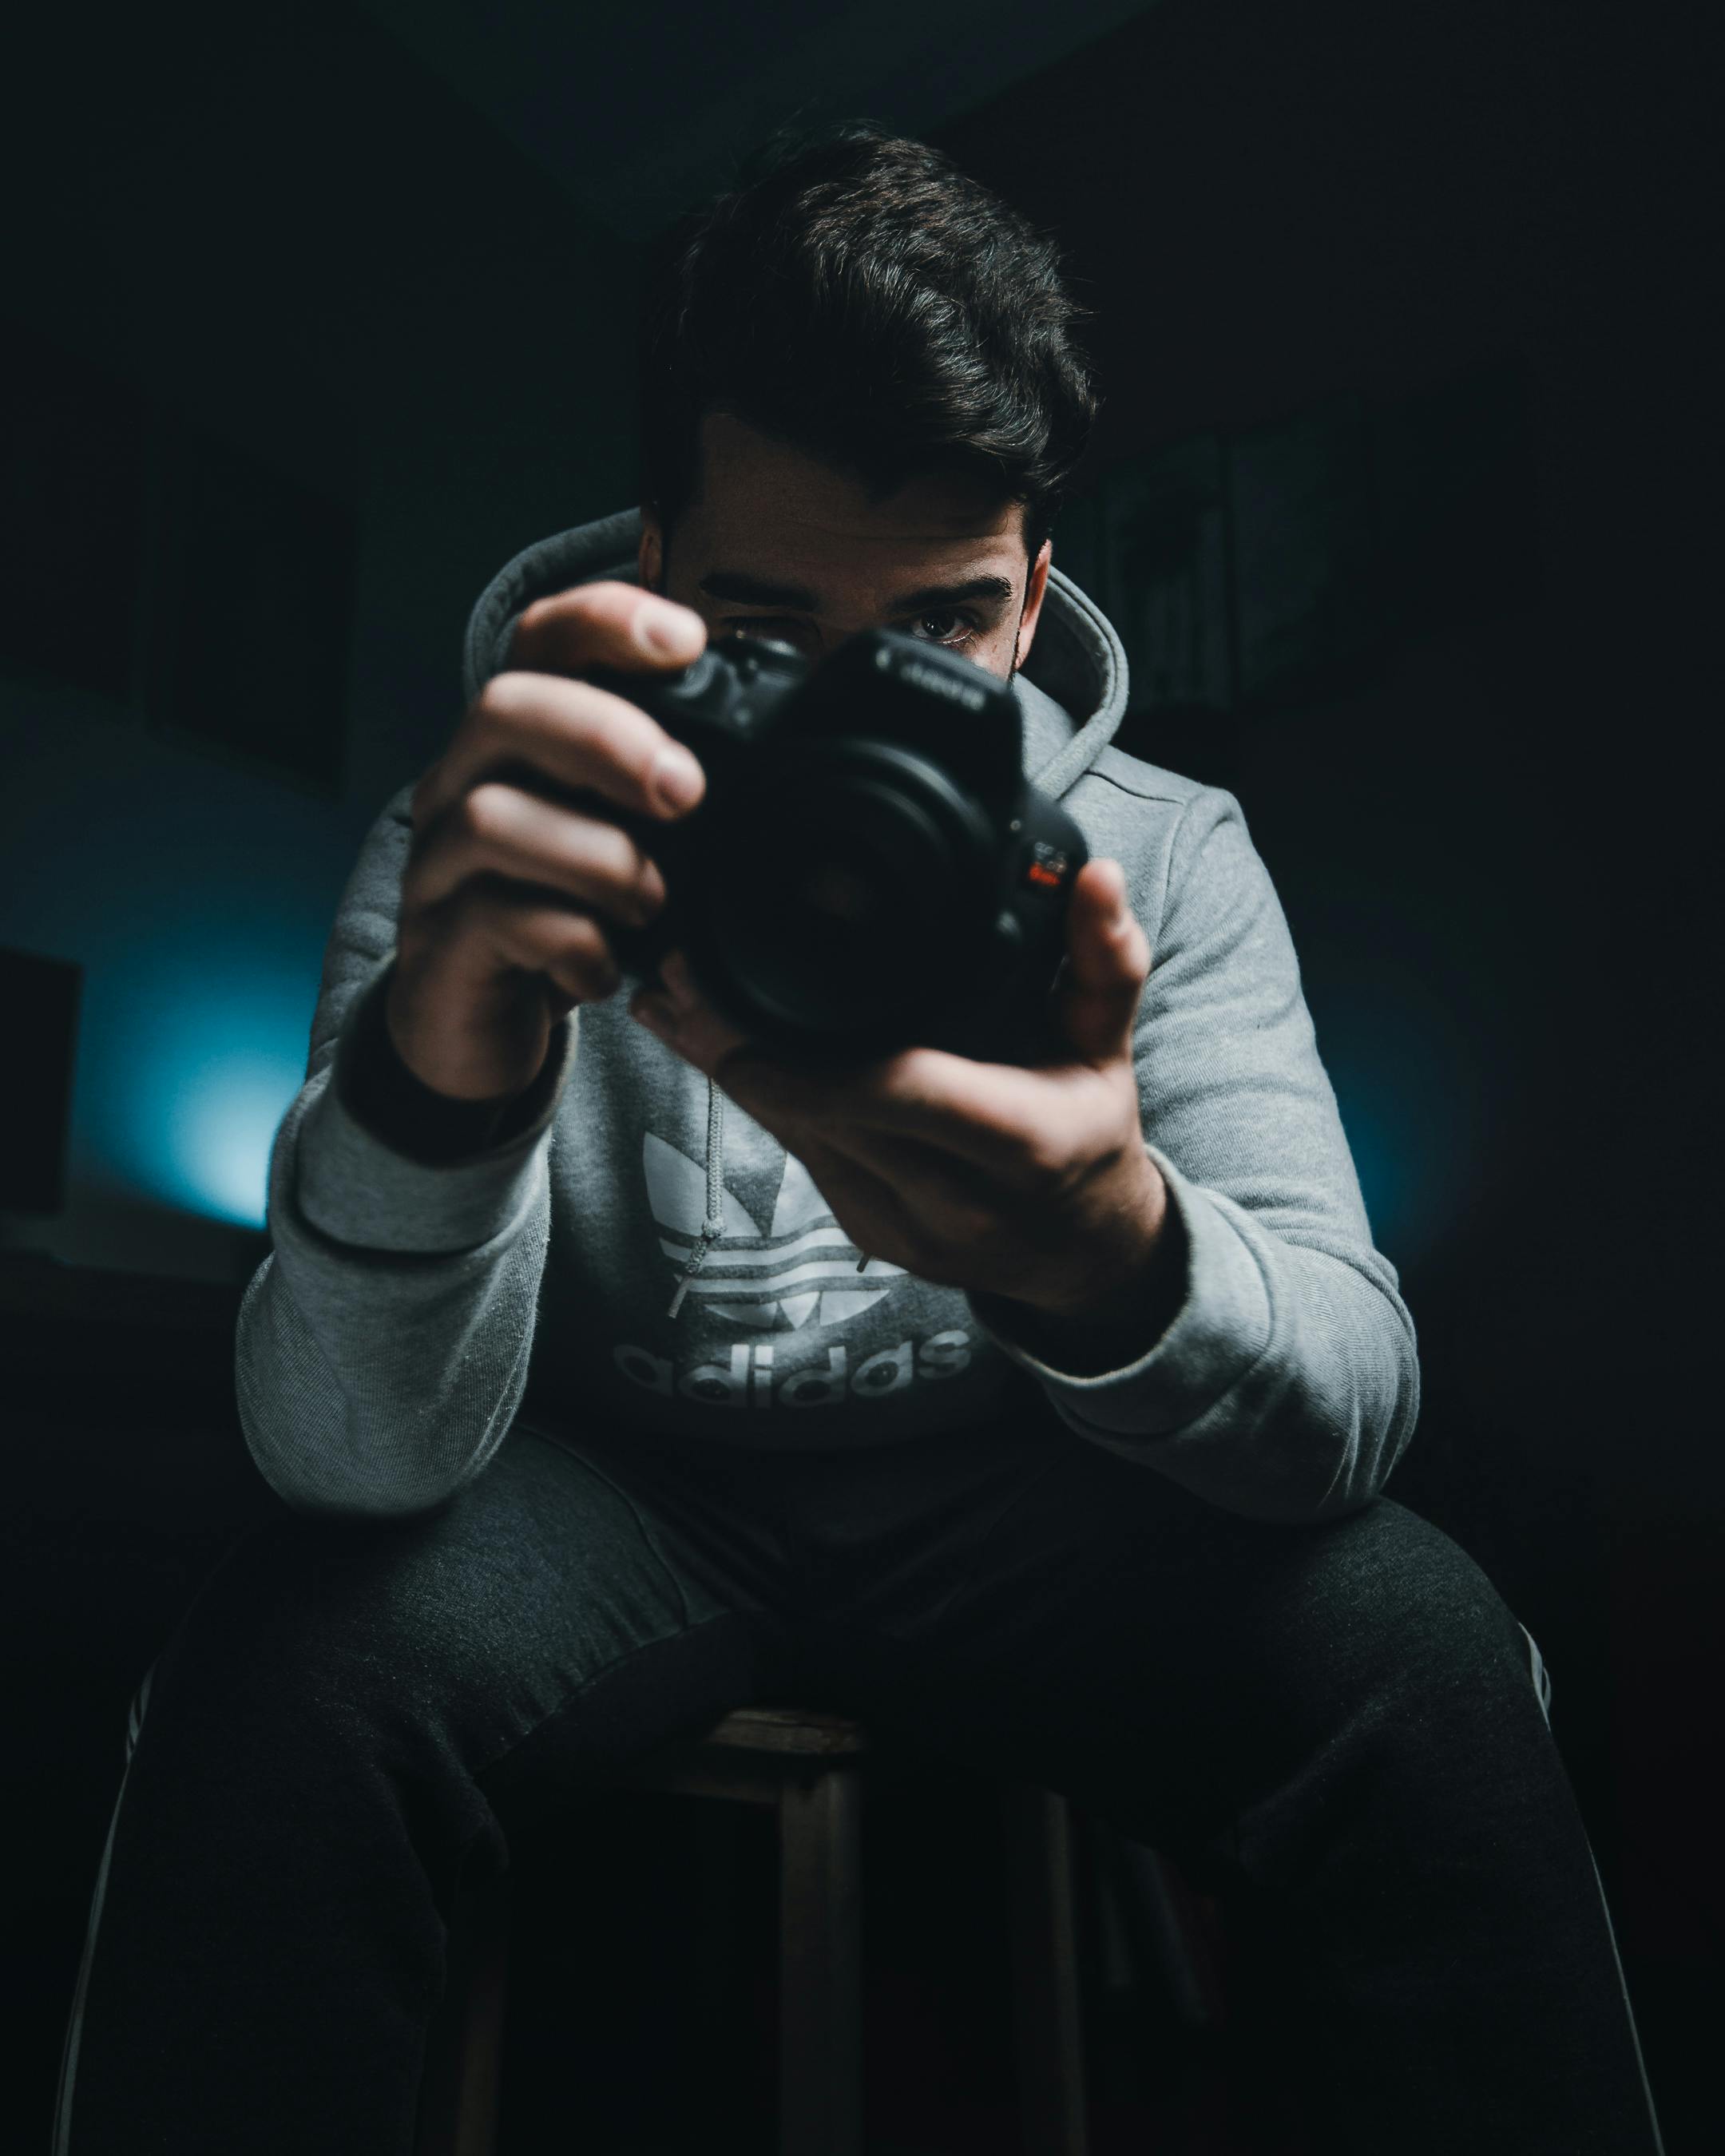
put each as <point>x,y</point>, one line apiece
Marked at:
<point>625,1373</point>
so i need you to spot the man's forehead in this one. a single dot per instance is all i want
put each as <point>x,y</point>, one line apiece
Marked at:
<point>775,498</point>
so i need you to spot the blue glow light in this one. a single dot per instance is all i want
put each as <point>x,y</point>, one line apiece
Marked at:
<point>1392,1181</point>
<point>1407,1086</point>
<point>198,899</point>
<point>197,1069</point>
<point>217,1130</point>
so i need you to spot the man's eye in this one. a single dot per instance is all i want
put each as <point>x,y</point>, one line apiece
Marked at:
<point>760,624</point>
<point>954,617</point>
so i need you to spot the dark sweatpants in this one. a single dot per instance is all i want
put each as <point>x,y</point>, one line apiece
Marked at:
<point>1342,1720</point>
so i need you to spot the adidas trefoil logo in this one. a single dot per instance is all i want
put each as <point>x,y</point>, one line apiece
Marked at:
<point>800,1272</point>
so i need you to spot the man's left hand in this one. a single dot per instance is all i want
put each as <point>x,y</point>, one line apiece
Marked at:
<point>1030,1184</point>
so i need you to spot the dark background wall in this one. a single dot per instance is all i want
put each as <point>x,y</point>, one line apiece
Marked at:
<point>1495,850</point>
<point>281,230</point>
<point>285,227</point>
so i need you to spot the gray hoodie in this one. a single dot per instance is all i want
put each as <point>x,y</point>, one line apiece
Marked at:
<point>630,1245</point>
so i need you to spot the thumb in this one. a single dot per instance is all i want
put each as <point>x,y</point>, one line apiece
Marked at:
<point>1107,964</point>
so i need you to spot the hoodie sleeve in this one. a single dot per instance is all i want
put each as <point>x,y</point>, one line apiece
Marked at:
<point>1286,1384</point>
<point>383,1345</point>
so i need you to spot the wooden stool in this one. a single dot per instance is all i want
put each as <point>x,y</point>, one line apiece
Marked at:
<point>810,1766</point>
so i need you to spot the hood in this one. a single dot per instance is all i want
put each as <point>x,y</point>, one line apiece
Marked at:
<point>1072,691</point>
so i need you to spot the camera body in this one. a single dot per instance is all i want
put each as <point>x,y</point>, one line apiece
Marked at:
<point>869,868</point>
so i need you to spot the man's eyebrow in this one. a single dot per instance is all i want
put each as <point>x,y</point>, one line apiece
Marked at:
<point>758,591</point>
<point>940,595</point>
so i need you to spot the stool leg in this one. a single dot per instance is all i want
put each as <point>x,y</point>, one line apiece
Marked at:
<point>820,1967</point>
<point>721,2027</point>
<point>459,2102</point>
<point>1050,2033</point>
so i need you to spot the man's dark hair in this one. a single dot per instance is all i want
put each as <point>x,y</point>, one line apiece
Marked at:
<point>859,297</point>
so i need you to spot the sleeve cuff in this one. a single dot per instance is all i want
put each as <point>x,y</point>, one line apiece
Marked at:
<point>1221,1328</point>
<point>410,1117</point>
<point>385,1163</point>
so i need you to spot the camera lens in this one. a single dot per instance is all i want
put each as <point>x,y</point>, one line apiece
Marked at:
<point>850,890</point>
<point>837,892</point>
<point>847,905</point>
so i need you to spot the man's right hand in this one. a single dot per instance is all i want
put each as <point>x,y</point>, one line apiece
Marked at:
<point>506,893</point>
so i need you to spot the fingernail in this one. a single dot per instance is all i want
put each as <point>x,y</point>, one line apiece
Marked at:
<point>668,631</point>
<point>677,778</point>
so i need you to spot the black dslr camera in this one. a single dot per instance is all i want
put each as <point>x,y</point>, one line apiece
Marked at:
<point>869,868</point>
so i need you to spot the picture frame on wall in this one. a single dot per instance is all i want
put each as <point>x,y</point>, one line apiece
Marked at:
<point>1165,545</point>
<point>1077,551</point>
<point>176,576</point>
<point>251,610</point>
<point>1307,625</point>
<point>72,454</point>
<point>1278,568</point>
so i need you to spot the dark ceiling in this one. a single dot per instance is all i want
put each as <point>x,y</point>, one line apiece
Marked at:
<point>636,112</point>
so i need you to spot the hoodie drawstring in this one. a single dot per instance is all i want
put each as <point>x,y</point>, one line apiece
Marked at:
<point>714,1224</point>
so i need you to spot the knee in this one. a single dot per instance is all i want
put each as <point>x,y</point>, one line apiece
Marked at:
<point>319,1628</point>
<point>1419,1624</point>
